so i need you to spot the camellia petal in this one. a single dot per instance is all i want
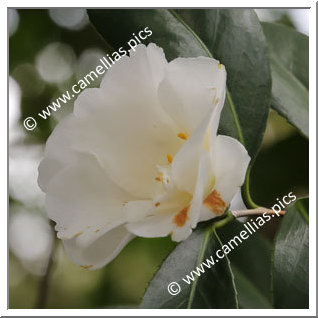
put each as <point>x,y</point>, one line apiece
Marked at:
<point>185,163</point>
<point>101,251</point>
<point>48,168</point>
<point>192,213</point>
<point>230,163</point>
<point>185,211</point>
<point>83,201</point>
<point>193,93</point>
<point>130,133</point>
<point>138,134</point>
<point>191,88</point>
<point>138,210</point>
<point>152,226</point>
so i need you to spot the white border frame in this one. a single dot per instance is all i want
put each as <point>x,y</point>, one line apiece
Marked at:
<point>312,152</point>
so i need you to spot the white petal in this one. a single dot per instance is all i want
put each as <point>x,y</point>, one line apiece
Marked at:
<point>176,214</point>
<point>230,164</point>
<point>202,180</point>
<point>48,168</point>
<point>144,68</point>
<point>138,210</point>
<point>153,226</point>
<point>122,123</point>
<point>180,233</point>
<point>186,95</point>
<point>138,134</point>
<point>185,164</point>
<point>100,252</point>
<point>83,201</point>
<point>190,89</point>
<point>206,214</point>
<point>60,149</point>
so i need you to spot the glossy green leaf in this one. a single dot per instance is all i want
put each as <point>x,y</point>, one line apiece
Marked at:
<point>234,37</point>
<point>249,296</point>
<point>289,58</point>
<point>251,263</point>
<point>117,26</point>
<point>213,289</point>
<point>291,259</point>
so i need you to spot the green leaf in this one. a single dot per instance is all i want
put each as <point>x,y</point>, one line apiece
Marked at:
<point>234,37</point>
<point>251,264</point>
<point>289,58</point>
<point>167,31</point>
<point>213,289</point>
<point>291,259</point>
<point>249,296</point>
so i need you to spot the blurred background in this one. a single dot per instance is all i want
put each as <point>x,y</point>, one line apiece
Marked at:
<point>49,51</point>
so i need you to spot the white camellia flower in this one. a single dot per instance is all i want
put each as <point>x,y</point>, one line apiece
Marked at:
<point>140,156</point>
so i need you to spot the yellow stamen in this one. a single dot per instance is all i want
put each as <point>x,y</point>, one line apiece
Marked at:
<point>170,158</point>
<point>183,136</point>
<point>220,66</point>
<point>78,234</point>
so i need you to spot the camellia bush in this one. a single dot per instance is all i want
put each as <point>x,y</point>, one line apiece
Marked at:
<point>165,143</point>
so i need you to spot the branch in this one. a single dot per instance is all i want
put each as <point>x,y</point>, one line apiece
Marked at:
<point>257,211</point>
<point>44,284</point>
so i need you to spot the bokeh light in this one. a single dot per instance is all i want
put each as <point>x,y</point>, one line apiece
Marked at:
<point>23,174</point>
<point>34,241</point>
<point>13,19</point>
<point>55,62</point>
<point>14,109</point>
<point>299,17</point>
<point>73,19</point>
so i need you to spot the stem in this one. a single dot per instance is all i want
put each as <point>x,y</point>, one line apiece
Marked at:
<point>257,211</point>
<point>229,217</point>
<point>235,117</point>
<point>44,284</point>
<point>246,191</point>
